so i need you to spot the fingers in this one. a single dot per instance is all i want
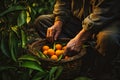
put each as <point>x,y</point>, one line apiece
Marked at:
<point>67,51</point>
<point>72,50</point>
<point>50,34</point>
<point>56,35</point>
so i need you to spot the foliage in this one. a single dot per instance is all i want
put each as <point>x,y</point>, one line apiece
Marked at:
<point>32,62</point>
<point>15,18</point>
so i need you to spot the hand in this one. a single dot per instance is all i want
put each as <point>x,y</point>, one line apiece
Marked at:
<point>74,46</point>
<point>54,31</point>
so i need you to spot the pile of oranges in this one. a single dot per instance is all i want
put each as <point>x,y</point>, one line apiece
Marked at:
<point>54,54</point>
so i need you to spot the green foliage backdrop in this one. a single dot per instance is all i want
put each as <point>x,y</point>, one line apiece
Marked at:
<point>15,18</point>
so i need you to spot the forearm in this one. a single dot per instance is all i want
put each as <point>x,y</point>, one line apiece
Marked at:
<point>58,23</point>
<point>83,35</point>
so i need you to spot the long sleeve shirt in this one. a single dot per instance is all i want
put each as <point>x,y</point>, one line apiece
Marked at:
<point>93,13</point>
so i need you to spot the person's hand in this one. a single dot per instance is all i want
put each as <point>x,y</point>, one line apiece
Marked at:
<point>74,46</point>
<point>54,31</point>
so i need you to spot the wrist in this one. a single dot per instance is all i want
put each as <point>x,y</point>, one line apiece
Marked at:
<point>58,23</point>
<point>83,35</point>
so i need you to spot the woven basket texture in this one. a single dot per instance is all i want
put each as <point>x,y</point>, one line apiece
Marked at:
<point>71,66</point>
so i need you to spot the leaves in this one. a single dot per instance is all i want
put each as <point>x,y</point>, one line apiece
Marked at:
<point>23,39</point>
<point>55,72</point>
<point>21,20</point>
<point>13,19</point>
<point>51,73</point>
<point>3,44</point>
<point>16,30</point>
<point>29,58</point>
<point>32,65</point>
<point>40,76</point>
<point>13,45</point>
<point>30,61</point>
<point>60,57</point>
<point>58,72</point>
<point>40,54</point>
<point>28,19</point>
<point>33,14</point>
<point>12,8</point>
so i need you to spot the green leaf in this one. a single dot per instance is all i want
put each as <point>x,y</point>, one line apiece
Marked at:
<point>13,45</point>
<point>52,72</point>
<point>15,29</point>
<point>21,20</point>
<point>33,13</point>
<point>13,8</point>
<point>40,75</point>
<point>60,57</point>
<point>58,72</point>
<point>30,58</point>
<point>32,65</point>
<point>54,45</point>
<point>24,39</point>
<point>3,45</point>
<point>41,55</point>
<point>41,10</point>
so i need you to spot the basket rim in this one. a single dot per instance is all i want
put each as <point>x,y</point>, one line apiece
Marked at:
<point>75,57</point>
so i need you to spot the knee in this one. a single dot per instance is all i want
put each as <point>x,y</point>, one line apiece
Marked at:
<point>108,38</point>
<point>108,44</point>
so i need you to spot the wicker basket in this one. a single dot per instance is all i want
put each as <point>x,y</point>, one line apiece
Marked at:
<point>71,66</point>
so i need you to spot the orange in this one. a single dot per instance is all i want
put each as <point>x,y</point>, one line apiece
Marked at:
<point>59,52</point>
<point>58,46</point>
<point>64,47</point>
<point>54,57</point>
<point>45,52</point>
<point>45,47</point>
<point>51,52</point>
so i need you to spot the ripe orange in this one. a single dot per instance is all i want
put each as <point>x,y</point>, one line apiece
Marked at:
<point>45,47</point>
<point>54,57</point>
<point>64,47</point>
<point>59,52</point>
<point>51,52</point>
<point>45,52</point>
<point>58,46</point>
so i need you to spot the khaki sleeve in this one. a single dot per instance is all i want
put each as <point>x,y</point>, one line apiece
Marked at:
<point>62,10</point>
<point>103,13</point>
